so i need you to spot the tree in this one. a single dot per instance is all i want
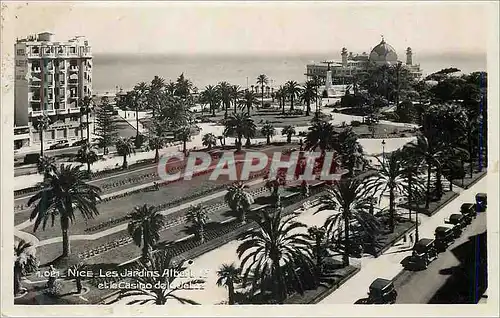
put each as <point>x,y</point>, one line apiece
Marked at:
<point>349,198</point>
<point>308,95</point>
<point>321,134</point>
<point>293,91</point>
<point>268,131</point>
<point>350,150</point>
<point>86,109</point>
<point>239,125</point>
<point>46,165</point>
<point>163,286</point>
<point>239,200</point>
<point>248,101</point>
<point>87,155</point>
<point>184,134</point>
<point>25,262</point>
<point>209,140</point>
<point>318,236</point>
<point>197,216</point>
<point>236,93</point>
<point>157,136</point>
<point>228,275</point>
<point>262,80</point>
<point>289,131</point>
<point>73,272</point>
<point>124,148</point>
<point>211,97</point>
<point>183,87</point>
<point>144,226</point>
<point>224,89</point>
<point>41,125</point>
<point>63,192</point>
<point>140,94</point>
<point>155,94</point>
<point>281,96</point>
<point>106,128</point>
<point>278,258</point>
<point>274,185</point>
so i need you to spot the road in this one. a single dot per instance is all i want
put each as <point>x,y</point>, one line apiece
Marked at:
<point>450,278</point>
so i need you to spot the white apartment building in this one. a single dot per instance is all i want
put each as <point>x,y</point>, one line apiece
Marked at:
<point>51,78</point>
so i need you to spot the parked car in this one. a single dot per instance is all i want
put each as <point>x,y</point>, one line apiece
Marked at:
<point>444,237</point>
<point>79,142</point>
<point>481,202</point>
<point>468,210</point>
<point>31,158</point>
<point>424,252</point>
<point>59,145</point>
<point>458,223</point>
<point>382,291</point>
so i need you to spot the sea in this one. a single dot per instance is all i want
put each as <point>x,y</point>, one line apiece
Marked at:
<point>112,72</point>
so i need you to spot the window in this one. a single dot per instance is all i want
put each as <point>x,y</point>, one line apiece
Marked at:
<point>72,50</point>
<point>60,50</point>
<point>20,52</point>
<point>19,77</point>
<point>20,63</point>
<point>35,50</point>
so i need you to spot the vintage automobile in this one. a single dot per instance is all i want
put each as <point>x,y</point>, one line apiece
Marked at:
<point>481,202</point>
<point>59,145</point>
<point>468,210</point>
<point>382,291</point>
<point>424,252</point>
<point>444,237</point>
<point>458,223</point>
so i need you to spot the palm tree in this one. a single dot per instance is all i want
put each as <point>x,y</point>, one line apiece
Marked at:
<point>183,87</point>
<point>228,275</point>
<point>248,101</point>
<point>274,185</point>
<point>268,131</point>
<point>293,91</point>
<point>25,262</point>
<point>350,150</point>
<point>349,198</point>
<point>278,256</point>
<point>321,134</point>
<point>239,200</point>
<point>86,154</point>
<point>86,109</point>
<point>162,288</point>
<point>63,192</point>
<point>281,95</point>
<point>197,215</point>
<point>224,89</point>
<point>46,165</point>
<point>73,271</point>
<point>262,80</point>
<point>239,125</point>
<point>308,95</point>
<point>42,125</point>
<point>235,95</point>
<point>124,148</point>
<point>211,96</point>
<point>184,134</point>
<point>155,92</point>
<point>140,93</point>
<point>157,136</point>
<point>318,235</point>
<point>144,226</point>
<point>289,131</point>
<point>209,140</point>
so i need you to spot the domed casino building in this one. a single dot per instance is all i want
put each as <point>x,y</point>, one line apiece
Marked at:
<point>342,71</point>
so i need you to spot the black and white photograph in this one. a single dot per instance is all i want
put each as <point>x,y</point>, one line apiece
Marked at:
<point>241,153</point>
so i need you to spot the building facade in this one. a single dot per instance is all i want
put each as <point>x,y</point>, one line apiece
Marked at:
<point>51,79</point>
<point>343,71</point>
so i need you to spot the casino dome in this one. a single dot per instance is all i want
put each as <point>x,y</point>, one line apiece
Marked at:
<point>383,53</point>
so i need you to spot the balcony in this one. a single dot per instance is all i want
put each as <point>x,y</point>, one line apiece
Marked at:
<point>21,133</point>
<point>62,111</point>
<point>73,68</point>
<point>73,82</point>
<point>35,99</point>
<point>36,113</point>
<point>48,54</point>
<point>34,83</point>
<point>74,110</point>
<point>36,70</point>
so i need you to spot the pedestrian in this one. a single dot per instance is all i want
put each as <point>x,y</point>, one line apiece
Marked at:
<point>52,278</point>
<point>411,239</point>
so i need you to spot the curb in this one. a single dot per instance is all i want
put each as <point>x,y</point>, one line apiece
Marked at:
<point>329,291</point>
<point>443,204</point>
<point>482,175</point>
<point>397,238</point>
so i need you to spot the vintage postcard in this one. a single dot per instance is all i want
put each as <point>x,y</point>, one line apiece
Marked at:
<point>249,158</point>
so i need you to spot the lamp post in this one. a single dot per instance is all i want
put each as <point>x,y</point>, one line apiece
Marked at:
<point>383,152</point>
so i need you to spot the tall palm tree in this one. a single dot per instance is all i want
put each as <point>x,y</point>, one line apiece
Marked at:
<point>239,125</point>
<point>209,140</point>
<point>228,275</point>
<point>350,150</point>
<point>268,131</point>
<point>235,95</point>
<point>211,96</point>
<point>262,80</point>
<point>224,89</point>
<point>289,131</point>
<point>293,91</point>
<point>239,200</point>
<point>183,86</point>
<point>321,134</point>
<point>249,99</point>
<point>46,165</point>
<point>42,125</point>
<point>64,191</point>
<point>281,96</point>
<point>86,108</point>
<point>144,226</point>
<point>155,92</point>
<point>184,134</point>
<point>163,286</point>
<point>140,94</point>
<point>308,95</point>
<point>25,262</point>
<point>87,155</point>
<point>349,198</point>
<point>157,135</point>
<point>278,258</point>
<point>124,148</point>
<point>197,216</point>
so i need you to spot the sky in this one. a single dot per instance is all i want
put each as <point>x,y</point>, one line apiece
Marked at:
<point>260,27</point>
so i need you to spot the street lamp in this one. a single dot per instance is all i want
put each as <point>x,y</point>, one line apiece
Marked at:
<point>383,152</point>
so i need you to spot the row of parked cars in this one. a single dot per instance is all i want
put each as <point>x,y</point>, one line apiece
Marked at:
<point>382,290</point>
